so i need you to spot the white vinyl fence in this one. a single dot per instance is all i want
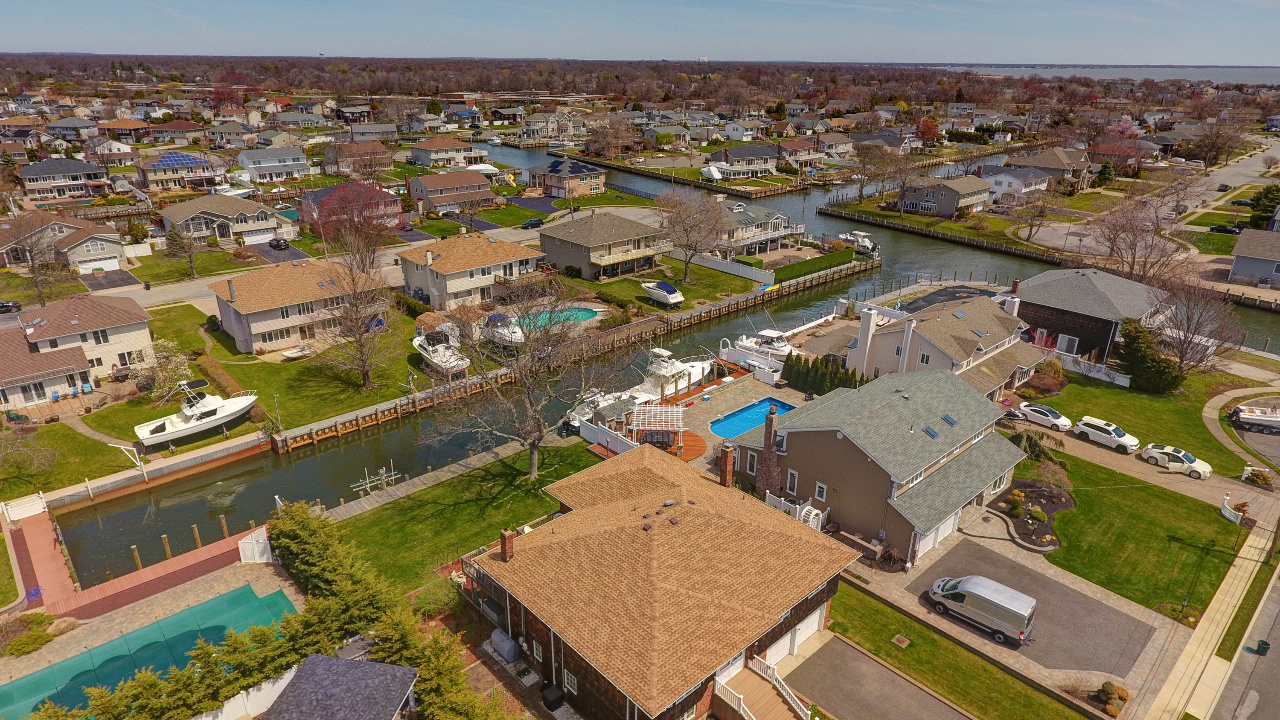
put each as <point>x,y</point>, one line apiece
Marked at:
<point>252,702</point>
<point>764,277</point>
<point>255,548</point>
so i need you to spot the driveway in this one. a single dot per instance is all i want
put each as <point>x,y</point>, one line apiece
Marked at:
<point>538,204</point>
<point>414,236</point>
<point>1072,630</point>
<point>274,257</point>
<point>109,279</point>
<point>851,686</point>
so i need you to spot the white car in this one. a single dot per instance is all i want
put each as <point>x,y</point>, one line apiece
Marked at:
<point>1105,433</point>
<point>1177,459</point>
<point>1045,415</point>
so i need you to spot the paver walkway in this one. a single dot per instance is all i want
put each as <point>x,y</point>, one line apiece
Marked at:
<point>75,422</point>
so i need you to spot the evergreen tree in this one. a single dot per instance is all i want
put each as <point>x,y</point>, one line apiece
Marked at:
<point>1139,357</point>
<point>1264,206</point>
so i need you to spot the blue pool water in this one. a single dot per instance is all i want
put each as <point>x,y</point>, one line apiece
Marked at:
<point>576,314</point>
<point>751,416</point>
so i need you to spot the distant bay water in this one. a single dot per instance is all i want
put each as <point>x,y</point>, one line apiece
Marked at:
<point>1248,75</point>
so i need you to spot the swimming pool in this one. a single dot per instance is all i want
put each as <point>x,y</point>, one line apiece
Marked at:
<point>747,418</point>
<point>575,314</point>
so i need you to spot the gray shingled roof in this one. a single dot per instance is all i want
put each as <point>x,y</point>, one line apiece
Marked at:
<point>1262,244</point>
<point>1091,292</point>
<point>337,689</point>
<point>949,488</point>
<point>598,229</point>
<point>273,154</point>
<point>888,416</point>
<point>58,166</point>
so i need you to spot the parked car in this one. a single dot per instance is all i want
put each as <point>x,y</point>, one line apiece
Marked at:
<point>1000,610</point>
<point>474,126</point>
<point>1045,415</point>
<point>1106,433</point>
<point>278,243</point>
<point>1242,203</point>
<point>532,223</point>
<point>1225,230</point>
<point>10,306</point>
<point>477,133</point>
<point>1221,188</point>
<point>1178,459</point>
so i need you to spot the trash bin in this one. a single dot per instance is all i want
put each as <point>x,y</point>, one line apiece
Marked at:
<point>1264,647</point>
<point>146,285</point>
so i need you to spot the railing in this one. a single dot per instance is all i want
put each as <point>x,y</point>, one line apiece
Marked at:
<point>766,235</point>
<point>521,279</point>
<point>770,673</point>
<point>654,249</point>
<point>24,507</point>
<point>725,693</point>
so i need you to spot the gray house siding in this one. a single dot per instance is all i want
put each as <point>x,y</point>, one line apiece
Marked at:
<point>1249,270</point>
<point>564,254</point>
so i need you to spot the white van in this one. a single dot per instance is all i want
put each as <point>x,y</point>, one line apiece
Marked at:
<point>1000,610</point>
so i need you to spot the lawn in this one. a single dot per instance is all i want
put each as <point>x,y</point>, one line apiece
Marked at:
<point>224,347</point>
<point>609,197</point>
<point>159,268</point>
<point>178,323</point>
<point>1244,613</point>
<point>705,284</point>
<point>510,215</point>
<point>74,457</point>
<point>994,232</point>
<point>1215,218</point>
<point>22,289</point>
<point>8,584</point>
<point>1142,541</point>
<point>1207,242</point>
<point>813,265</point>
<point>119,419</point>
<point>406,539</point>
<point>692,173</point>
<point>962,677</point>
<point>439,227</point>
<point>1088,202</point>
<point>1171,419</point>
<point>399,170</point>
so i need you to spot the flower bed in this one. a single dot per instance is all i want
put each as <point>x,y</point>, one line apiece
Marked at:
<point>1039,499</point>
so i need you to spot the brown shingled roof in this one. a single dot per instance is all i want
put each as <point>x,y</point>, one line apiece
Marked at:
<point>283,284</point>
<point>124,124</point>
<point>82,313</point>
<point>18,359</point>
<point>440,143</point>
<point>464,252</point>
<point>657,611</point>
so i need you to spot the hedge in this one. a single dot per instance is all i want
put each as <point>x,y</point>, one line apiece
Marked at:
<point>813,265</point>
<point>226,384</point>
<point>411,307</point>
<point>754,262</point>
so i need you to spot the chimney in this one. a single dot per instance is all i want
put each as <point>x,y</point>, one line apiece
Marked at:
<point>508,544</point>
<point>979,171</point>
<point>1012,305</point>
<point>231,290</point>
<point>770,475</point>
<point>726,465</point>
<point>1016,283</point>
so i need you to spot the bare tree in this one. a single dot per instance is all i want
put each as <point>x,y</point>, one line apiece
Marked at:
<point>870,159</point>
<point>1218,140</point>
<point>694,222</point>
<point>22,455</point>
<point>1269,162</point>
<point>903,173</point>
<point>1127,237</point>
<point>1200,325</point>
<point>606,140</point>
<point>364,342</point>
<point>178,244</point>
<point>1179,196</point>
<point>1035,213</point>
<point>33,237</point>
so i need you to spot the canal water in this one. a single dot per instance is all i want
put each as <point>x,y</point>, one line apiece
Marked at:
<point>98,537</point>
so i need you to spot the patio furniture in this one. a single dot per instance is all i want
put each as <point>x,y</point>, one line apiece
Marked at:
<point>14,417</point>
<point>55,397</point>
<point>86,388</point>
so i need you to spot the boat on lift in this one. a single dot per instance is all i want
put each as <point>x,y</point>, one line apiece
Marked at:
<point>664,292</point>
<point>502,330</point>
<point>860,241</point>
<point>770,344</point>
<point>199,412</point>
<point>441,357</point>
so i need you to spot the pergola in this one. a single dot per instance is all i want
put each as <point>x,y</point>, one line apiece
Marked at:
<point>668,419</point>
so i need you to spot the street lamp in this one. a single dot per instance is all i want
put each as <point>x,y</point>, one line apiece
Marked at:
<point>137,458</point>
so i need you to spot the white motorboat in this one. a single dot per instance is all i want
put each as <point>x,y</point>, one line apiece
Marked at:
<point>664,292</point>
<point>664,377</point>
<point>199,412</point>
<point>860,241</point>
<point>502,330</point>
<point>442,358</point>
<point>771,344</point>
<point>298,353</point>
<point>495,141</point>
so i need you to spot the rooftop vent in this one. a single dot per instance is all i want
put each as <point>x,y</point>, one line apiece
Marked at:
<point>692,502</point>
<point>647,527</point>
<point>930,432</point>
<point>949,420</point>
<point>662,512</point>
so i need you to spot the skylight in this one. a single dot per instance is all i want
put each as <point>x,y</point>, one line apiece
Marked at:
<point>979,333</point>
<point>930,432</point>
<point>949,420</point>
<point>958,313</point>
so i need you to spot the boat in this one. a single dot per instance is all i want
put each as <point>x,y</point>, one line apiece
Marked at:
<point>502,330</point>
<point>495,141</point>
<point>664,377</point>
<point>199,412</point>
<point>664,292</point>
<point>297,353</point>
<point>860,241</point>
<point>1256,419</point>
<point>769,344</point>
<point>441,357</point>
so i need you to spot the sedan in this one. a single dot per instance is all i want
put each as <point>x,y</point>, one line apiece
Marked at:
<point>1225,230</point>
<point>1177,459</point>
<point>1242,203</point>
<point>1045,415</point>
<point>10,306</point>
<point>532,223</point>
<point>1221,188</point>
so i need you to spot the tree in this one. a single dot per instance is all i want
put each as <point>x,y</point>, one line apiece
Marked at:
<point>1139,357</point>
<point>169,366</point>
<point>904,173</point>
<point>137,231</point>
<point>22,455</point>
<point>1264,207</point>
<point>927,130</point>
<point>1127,237</point>
<point>434,107</point>
<point>1270,162</point>
<point>694,222</point>
<point>33,235</point>
<point>1035,213</point>
<point>1036,444</point>
<point>1200,325</point>
<point>180,245</point>
<point>365,342</point>
<point>1106,174</point>
<point>663,139</point>
<point>870,159</point>
<point>1216,141</point>
<point>607,140</point>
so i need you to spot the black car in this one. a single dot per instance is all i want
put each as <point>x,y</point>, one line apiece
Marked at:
<point>278,243</point>
<point>1242,203</point>
<point>532,223</point>
<point>1224,187</point>
<point>474,126</point>
<point>477,133</point>
<point>10,306</point>
<point>1225,230</point>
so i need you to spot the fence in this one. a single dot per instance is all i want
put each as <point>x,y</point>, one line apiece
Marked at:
<point>1046,257</point>
<point>764,277</point>
<point>598,435</point>
<point>1086,368</point>
<point>252,702</point>
<point>632,191</point>
<point>137,250</point>
<point>24,507</point>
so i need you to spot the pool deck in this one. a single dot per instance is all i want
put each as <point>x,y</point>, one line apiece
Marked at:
<point>738,394</point>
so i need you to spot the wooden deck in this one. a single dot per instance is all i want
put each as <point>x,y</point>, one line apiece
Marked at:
<point>46,561</point>
<point>760,696</point>
<point>694,446</point>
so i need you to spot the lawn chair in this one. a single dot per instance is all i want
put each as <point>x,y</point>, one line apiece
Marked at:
<point>86,388</point>
<point>75,392</point>
<point>54,397</point>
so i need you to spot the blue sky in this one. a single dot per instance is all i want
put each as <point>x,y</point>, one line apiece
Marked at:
<point>1183,32</point>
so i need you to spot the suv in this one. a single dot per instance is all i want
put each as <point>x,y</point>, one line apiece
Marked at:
<point>278,243</point>
<point>1225,230</point>
<point>1242,203</point>
<point>1221,188</point>
<point>1105,433</point>
<point>532,223</point>
<point>10,306</point>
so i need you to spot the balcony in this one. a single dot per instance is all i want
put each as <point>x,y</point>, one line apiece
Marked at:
<point>784,231</point>
<point>529,278</point>
<point>614,258</point>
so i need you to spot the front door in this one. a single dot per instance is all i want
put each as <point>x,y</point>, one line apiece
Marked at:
<point>224,231</point>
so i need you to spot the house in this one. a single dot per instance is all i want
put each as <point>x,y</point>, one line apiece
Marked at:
<point>451,192</point>
<point>508,115</point>
<point>427,122</point>
<point>339,689</point>
<point>105,152</point>
<point>837,144</point>
<point>353,202</point>
<point>72,128</point>
<point>232,135</point>
<point>801,154</point>
<point>743,130</point>
<point>1078,312</point>
<point>706,135</point>
<point>110,332</point>
<point>468,269</point>
<point>746,162</point>
<point>373,132</point>
<point>296,120</point>
<point>603,245</point>
<point>363,159</point>
<point>781,129</point>
<point>448,152</point>
<point>178,132</point>
<point>126,130</point>
<point>892,143</point>
<point>1070,166</point>
<point>1256,257</point>
<point>274,164</point>
<point>1013,185</point>
<point>80,244</point>
<point>59,178</point>
<point>976,339</point>
<point>565,177</point>
<point>1119,155</point>
<point>287,304</point>
<point>640,535</point>
<point>245,116</point>
<point>893,462</point>
<point>227,218</point>
<point>314,107</point>
<point>173,170</point>
<point>751,229</point>
<point>947,197</point>
<point>678,133</point>
<point>279,139</point>
<point>16,151</point>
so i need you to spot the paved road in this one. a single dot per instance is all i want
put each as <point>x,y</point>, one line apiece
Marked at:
<point>1252,691</point>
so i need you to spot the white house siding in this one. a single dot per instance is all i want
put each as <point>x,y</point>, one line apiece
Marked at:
<point>132,338</point>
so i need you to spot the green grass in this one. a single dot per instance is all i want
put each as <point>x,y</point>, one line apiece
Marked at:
<point>1258,361</point>
<point>406,539</point>
<point>8,583</point>
<point>754,262</point>
<point>704,284</point>
<point>1173,419</point>
<point>179,323</point>
<point>1088,202</point>
<point>23,289</point>
<point>224,347</point>
<point>399,170</point>
<point>1142,541</point>
<point>1207,242</point>
<point>996,225</point>
<point>1234,209</point>
<point>439,227</point>
<point>1214,218</point>
<point>962,677</point>
<point>1244,612</point>
<point>119,419</point>
<point>691,173</point>
<point>74,458</point>
<point>510,215</point>
<point>158,268</point>
<point>813,265</point>
<point>608,197</point>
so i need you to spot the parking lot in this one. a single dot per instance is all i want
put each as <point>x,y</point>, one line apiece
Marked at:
<point>1072,630</point>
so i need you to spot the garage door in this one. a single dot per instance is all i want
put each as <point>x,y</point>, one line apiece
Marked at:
<point>87,267</point>
<point>808,627</point>
<point>258,237</point>
<point>779,649</point>
<point>930,540</point>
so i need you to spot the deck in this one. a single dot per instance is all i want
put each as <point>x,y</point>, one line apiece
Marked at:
<point>760,696</point>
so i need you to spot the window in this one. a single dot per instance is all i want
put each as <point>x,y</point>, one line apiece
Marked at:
<point>130,357</point>
<point>537,650</point>
<point>271,336</point>
<point>486,271</point>
<point>924,359</point>
<point>688,714</point>
<point>820,492</point>
<point>53,343</point>
<point>897,351</point>
<point>793,479</point>
<point>570,682</point>
<point>100,337</point>
<point>1067,344</point>
<point>84,337</point>
<point>306,308</point>
<point>333,302</point>
<point>95,246</point>
<point>95,362</point>
<point>751,463</point>
<point>284,313</point>
<point>471,274</point>
<point>33,392</point>
<point>4,396</point>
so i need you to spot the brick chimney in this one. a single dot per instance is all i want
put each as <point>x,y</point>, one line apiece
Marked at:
<point>508,544</point>
<point>979,171</point>
<point>1014,289</point>
<point>769,476</point>
<point>726,465</point>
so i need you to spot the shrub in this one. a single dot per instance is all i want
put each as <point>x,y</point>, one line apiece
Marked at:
<point>1016,512</point>
<point>212,323</point>
<point>1113,709</point>
<point>1038,515</point>
<point>412,307</point>
<point>28,643</point>
<point>1140,358</point>
<point>1017,496</point>
<point>572,271</point>
<point>612,298</point>
<point>1053,368</point>
<point>36,620</point>
<point>754,262</point>
<point>1258,476</point>
<point>615,319</point>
